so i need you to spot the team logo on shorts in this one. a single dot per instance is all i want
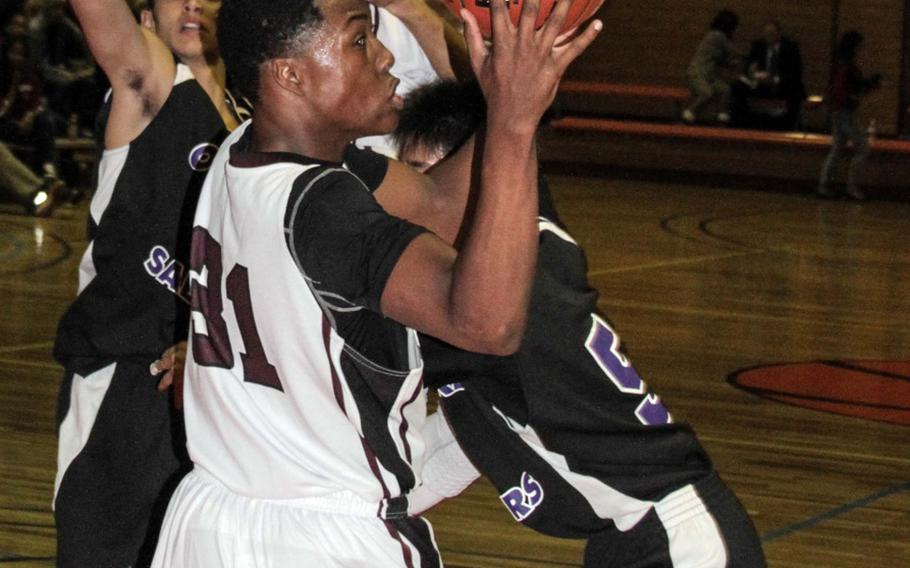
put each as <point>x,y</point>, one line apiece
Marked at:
<point>202,155</point>
<point>521,501</point>
<point>449,390</point>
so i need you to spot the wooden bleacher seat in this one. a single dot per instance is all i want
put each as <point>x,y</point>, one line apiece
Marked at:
<point>660,102</point>
<point>76,157</point>
<point>794,156</point>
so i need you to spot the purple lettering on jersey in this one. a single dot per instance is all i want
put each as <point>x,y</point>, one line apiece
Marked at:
<point>213,347</point>
<point>521,501</point>
<point>201,156</point>
<point>603,344</point>
<point>652,412</point>
<point>256,367</point>
<point>449,390</point>
<point>168,276</point>
<point>157,260</point>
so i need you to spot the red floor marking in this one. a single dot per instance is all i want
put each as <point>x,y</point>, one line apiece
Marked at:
<point>875,390</point>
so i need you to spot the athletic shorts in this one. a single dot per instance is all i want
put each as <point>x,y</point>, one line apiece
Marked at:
<point>121,453</point>
<point>209,526</point>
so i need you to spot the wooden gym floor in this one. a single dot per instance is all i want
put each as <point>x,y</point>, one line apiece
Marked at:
<point>701,282</point>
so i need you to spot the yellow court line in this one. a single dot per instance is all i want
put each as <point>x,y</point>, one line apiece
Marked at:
<point>26,347</point>
<point>676,262</point>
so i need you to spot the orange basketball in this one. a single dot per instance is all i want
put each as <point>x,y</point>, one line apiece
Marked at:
<point>579,11</point>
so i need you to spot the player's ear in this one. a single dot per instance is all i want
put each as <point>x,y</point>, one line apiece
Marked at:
<point>147,19</point>
<point>287,74</point>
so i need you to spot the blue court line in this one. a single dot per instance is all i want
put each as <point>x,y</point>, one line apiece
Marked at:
<point>837,511</point>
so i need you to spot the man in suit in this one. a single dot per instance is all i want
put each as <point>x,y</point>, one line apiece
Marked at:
<point>772,94</point>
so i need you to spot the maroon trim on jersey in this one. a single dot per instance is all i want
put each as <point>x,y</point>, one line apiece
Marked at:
<point>405,551</point>
<point>374,467</point>
<point>416,531</point>
<point>339,398</point>
<point>336,383</point>
<point>242,157</point>
<point>403,429</point>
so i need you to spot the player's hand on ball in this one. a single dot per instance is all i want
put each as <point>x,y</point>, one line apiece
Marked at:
<point>171,364</point>
<point>520,70</point>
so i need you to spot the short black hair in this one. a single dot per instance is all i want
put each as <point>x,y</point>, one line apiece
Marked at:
<point>725,21</point>
<point>440,115</point>
<point>251,32</point>
<point>848,45</point>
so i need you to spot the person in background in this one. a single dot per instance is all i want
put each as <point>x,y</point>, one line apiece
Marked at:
<point>714,56</point>
<point>18,183</point>
<point>771,94</point>
<point>66,66</point>
<point>846,90</point>
<point>24,119</point>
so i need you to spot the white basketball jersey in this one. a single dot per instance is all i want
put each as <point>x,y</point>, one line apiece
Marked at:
<point>269,410</point>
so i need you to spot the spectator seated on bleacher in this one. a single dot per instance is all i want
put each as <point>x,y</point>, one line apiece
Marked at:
<point>706,74</point>
<point>65,64</point>
<point>24,120</point>
<point>770,95</point>
<point>19,184</point>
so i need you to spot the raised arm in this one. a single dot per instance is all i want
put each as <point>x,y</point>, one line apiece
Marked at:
<point>137,63</point>
<point>478,299</point>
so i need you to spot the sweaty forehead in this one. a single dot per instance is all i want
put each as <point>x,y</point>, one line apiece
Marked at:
<point>344,13</point>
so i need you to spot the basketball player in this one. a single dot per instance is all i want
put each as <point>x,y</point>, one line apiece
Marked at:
<point>304,400</point>
<point>567,431</point>
<point>121,449</point>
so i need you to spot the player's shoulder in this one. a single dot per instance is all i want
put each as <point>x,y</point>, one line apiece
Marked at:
<point>326,191</point>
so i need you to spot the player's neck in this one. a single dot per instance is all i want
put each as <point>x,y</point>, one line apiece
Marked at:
<point>212,77</point>
<point>277,131</point>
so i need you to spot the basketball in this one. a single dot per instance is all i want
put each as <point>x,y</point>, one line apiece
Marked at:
<point>579,11</point>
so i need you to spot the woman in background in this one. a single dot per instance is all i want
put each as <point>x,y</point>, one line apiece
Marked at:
<point>846,90</point>
<point>715,52</point>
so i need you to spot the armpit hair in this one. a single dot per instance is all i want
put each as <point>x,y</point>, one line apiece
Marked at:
<point>135,80</point>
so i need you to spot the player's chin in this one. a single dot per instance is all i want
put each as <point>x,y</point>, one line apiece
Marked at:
<point>385,122</point>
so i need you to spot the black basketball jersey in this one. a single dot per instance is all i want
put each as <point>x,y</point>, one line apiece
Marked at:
<point>133,289</point>
<point>575,389</point>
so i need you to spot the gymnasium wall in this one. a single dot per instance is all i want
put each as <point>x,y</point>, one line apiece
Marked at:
<point>651,42</point>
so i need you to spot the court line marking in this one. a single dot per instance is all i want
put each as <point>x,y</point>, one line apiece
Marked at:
<point>674,262</point>
<point>30,364</point>
<point>66,252</point>
<point>25,347</point>
<point>835,512</point>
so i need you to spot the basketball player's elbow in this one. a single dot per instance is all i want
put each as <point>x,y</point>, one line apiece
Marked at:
<point>494,336</point>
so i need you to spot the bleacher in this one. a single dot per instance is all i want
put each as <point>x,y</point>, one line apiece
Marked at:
<point>587,132</point>
<point>77,159</point>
